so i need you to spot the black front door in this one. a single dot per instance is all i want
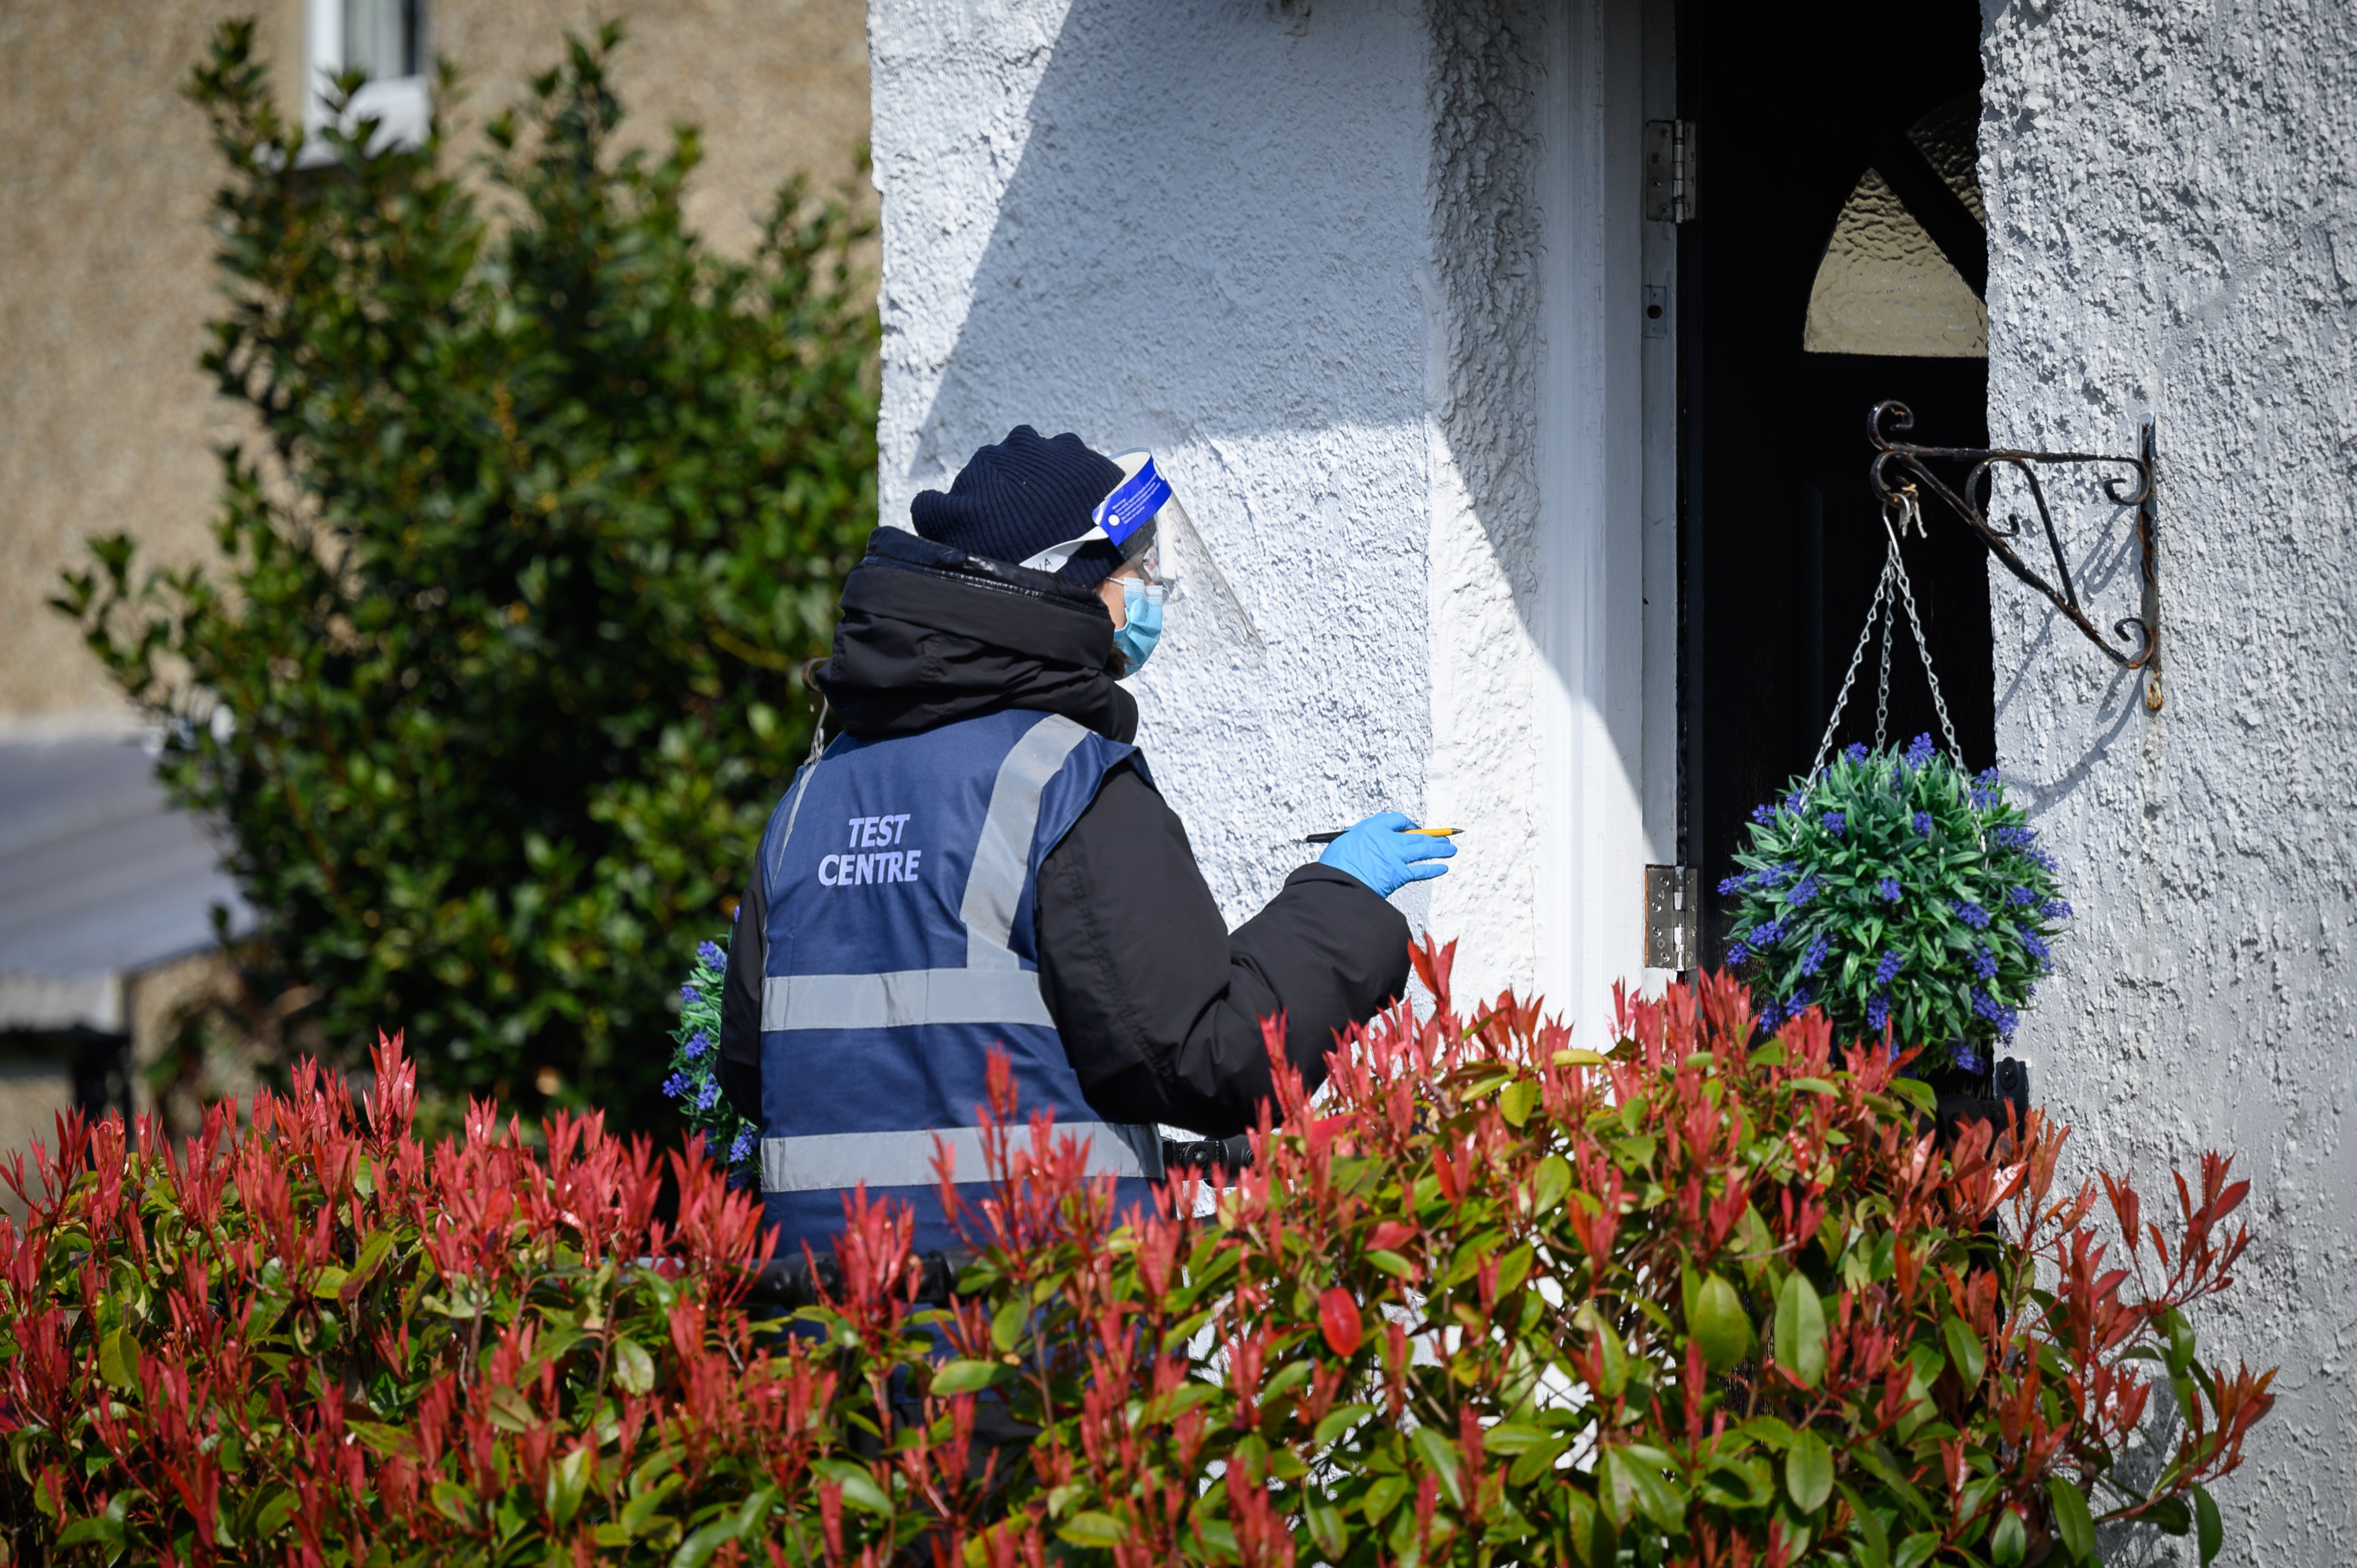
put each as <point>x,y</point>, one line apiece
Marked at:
<point>1835,260</point>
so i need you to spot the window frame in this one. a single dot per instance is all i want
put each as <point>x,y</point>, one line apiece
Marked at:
<point>402,106</point>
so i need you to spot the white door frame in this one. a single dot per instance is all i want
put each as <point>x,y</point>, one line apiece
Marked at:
<point>1607,612</point>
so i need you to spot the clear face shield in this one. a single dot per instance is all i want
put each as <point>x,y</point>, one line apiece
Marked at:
<point>1165,562</point>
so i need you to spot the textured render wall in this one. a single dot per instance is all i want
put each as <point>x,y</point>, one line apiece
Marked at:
<point>105,423</point>
<point>1296,252</point>
<point>777,85</point>
<point>2173,196</point>
<point>1490,681</point>
<point>1342,269</point>
<point>106,178</point>
<point>1197,227</point>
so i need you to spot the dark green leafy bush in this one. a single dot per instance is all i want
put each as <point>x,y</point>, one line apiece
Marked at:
<point>1493,1298</point>
<point>495,677</point>
<point>1897,891</point>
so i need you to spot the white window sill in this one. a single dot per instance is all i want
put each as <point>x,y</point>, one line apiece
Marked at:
<point>402,108</point>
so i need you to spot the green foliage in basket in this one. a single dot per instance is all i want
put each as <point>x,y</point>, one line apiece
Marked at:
<point>1900,894</point>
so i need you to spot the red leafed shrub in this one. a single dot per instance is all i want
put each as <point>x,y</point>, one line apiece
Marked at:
<point>316,1340</point>
<point>1492,1298</point>
<point>1495,1298</point>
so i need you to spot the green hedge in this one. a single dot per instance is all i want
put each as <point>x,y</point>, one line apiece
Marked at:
<point>495,676</point>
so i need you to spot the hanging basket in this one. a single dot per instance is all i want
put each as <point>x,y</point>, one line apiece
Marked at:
<point>1895,891</point>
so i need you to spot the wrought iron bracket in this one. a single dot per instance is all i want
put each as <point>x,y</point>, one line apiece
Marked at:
<point>1899,468</point>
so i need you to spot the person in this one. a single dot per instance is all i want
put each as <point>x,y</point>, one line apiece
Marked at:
<point>980,856</point>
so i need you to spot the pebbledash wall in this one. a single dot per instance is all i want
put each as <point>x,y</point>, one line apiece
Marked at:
<point>2172,196</point>
<point>1298,257</point>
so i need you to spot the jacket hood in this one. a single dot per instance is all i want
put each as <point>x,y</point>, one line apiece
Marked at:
<point>929,634</point>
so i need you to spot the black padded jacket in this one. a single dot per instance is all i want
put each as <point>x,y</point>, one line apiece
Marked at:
<point>1158,1002</point>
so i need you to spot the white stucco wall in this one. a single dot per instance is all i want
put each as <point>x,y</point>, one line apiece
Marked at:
<point>1305,255</point>
<point>2173,201</point>
<point>1197,228</point>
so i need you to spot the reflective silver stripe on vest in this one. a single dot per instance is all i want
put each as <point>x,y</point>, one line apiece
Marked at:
<point>1002,854</point>
<point>904,997</point>
<point>837,1160</point>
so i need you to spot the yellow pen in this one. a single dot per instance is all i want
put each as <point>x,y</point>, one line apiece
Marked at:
<point>1429,832</point>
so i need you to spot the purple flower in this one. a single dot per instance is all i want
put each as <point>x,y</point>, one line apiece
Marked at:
<point>1996,1012</point>
<point>697,1044</point>
<point>1985,963</point>
<point>1971,914</point>
<point>1737,952</point>
<point>1836,822</point>
<point>743,1146</point>
<point>1887,890</point>
<point>1813,958</point>
<point>2032,944</point>
<point>1918,751</point>
<point>1988,792</point>
<point>706,1095</point>
<point>2013,837</point>
<point>674,1086</point>
<point>710,953</point>
<point>2019,895</point>
<point>689,993</point>
<point>1923,825</point>
<point>2055,909</point>
<point>1802,891</point>
<point>1763,815</point>
<point>1967,1059</point>
<point>1877,1012</point>
<point>1765,935</point>
<point>1732,885</point>
<point>1854,751</point>
<point>1889,964</point>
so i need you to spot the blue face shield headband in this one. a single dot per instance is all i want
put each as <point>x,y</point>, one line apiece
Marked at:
<point>1146,522</point>
<point>1124,518</point>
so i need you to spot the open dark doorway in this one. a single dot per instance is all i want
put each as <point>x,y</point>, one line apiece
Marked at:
<point>1837,258</point>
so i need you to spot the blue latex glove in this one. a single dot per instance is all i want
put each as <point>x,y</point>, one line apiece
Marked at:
<point>1379,853</point>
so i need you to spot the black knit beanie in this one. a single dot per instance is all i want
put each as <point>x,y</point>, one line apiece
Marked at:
<point>1013,500</point>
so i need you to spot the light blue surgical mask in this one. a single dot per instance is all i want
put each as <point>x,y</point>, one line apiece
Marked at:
<point>1141,603</point>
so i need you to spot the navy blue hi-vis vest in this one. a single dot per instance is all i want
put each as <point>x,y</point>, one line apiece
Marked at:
<point>901,876</point>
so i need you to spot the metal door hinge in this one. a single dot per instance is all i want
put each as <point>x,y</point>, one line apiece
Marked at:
<point>1669,171</point>
<point>1673,917</point>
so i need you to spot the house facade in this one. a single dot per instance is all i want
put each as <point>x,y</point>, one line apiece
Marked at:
<point>1514,362</point>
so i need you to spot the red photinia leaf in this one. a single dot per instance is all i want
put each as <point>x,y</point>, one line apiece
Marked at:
<point>1337,1317</point>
